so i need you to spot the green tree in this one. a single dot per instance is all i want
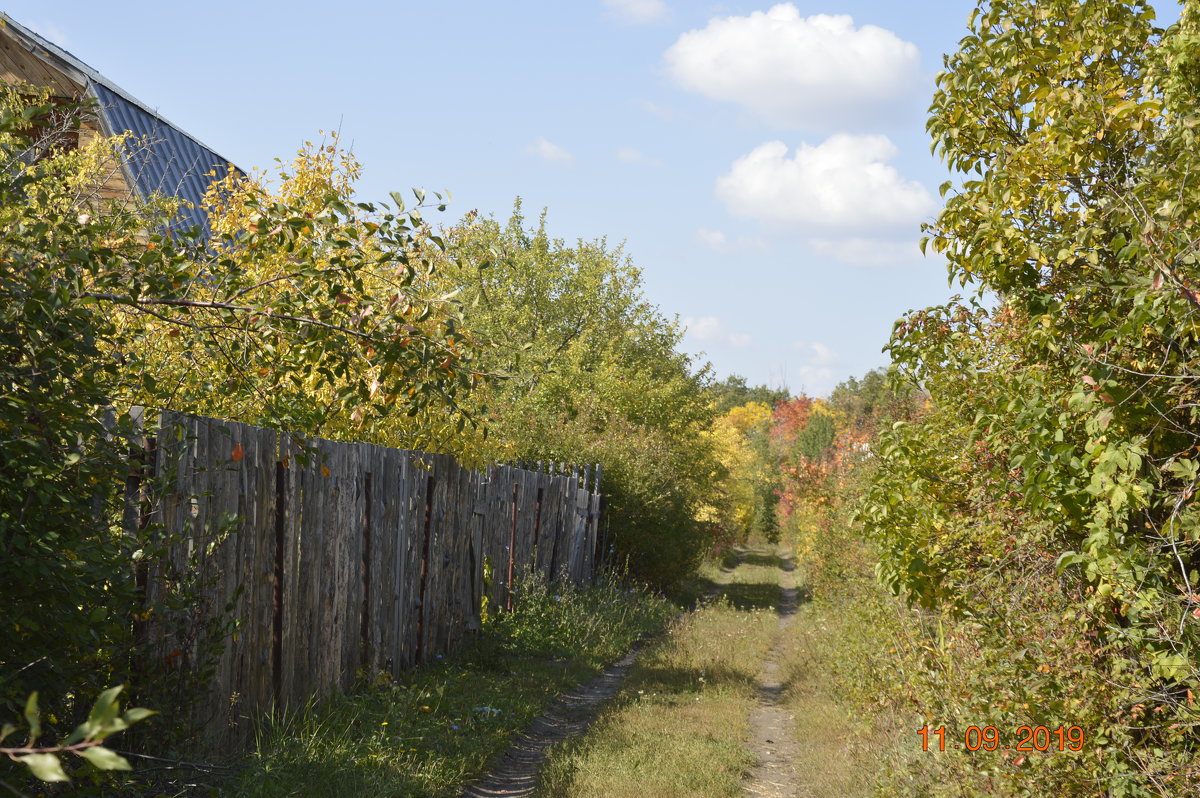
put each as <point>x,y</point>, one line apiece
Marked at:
<point>591,373</point>
<point>1064,419</point>
<point>309,308</point>
<point>733,392</point>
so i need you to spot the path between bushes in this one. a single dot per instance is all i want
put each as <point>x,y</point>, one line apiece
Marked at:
<point>515,772</point>
<point>773,744</point>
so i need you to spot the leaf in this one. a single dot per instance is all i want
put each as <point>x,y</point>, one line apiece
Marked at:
<point>105,759</point>
<point>324,471</point>
<point>238,453</point>
<point>33,717</point>
<point>104,712</point>
<point>44,766</point>
<point>137,714</point>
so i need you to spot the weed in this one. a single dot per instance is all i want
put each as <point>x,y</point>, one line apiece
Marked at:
<point>430,730</point>
<point>680,724</point>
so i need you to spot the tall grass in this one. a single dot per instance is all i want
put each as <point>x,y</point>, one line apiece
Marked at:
<point>430,730</point>
<point>593,626</point>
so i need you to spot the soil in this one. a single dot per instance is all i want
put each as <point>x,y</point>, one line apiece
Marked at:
<point>771,724</point>
<point>515,771</point>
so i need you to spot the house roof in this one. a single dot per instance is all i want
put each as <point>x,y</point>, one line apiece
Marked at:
<point>161,159</point>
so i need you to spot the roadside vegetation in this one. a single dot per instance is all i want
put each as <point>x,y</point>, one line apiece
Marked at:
<point>998,533</point>
<point>308,311</point>
<point>680,724</point>
<point>437,727</point>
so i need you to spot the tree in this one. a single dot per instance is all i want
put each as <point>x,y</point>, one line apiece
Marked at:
<point>302,308</point>
<point>589,372</point>
<point>1065,412</point>
<point>745,503</point>
<point>733,391</point>
<point>309,311</point>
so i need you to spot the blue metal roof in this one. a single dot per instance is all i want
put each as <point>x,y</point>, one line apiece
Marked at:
<point>160,159</point>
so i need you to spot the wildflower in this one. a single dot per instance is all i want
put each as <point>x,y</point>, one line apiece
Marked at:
<point>383,724</point>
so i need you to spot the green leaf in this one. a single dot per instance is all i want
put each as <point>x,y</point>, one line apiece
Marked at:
<point>136,714</point>
<point>44,766</point>
<point>82,732</point>
<point>33,717</point>
<point>105,759</point>
<point>104,712</point>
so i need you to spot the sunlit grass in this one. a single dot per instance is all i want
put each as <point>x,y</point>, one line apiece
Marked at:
<point>680,725</point>
<point>437,727</point>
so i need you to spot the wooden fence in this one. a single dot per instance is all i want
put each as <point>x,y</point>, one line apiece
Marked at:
<point>336,557</point>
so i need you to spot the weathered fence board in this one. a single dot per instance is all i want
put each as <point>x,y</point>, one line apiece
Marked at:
<point>315,560</point>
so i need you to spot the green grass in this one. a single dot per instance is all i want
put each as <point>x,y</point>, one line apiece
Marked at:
<point>840,743</point>
<point>436,727</point>
<point>850,734</point>
<point>680,725</point>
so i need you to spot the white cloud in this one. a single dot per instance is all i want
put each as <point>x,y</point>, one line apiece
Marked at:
<point>869,252</point>
<point>740,340</point>
<point>664,112</point>
<point>711,330</point>
<point>816,380</point>
<point>843,185</point>
<point>713,239</point>
<point>549,151</point>
<point>808,72</point>
<point>719,242</point>
<point>630,155</point>
<point>706,329</point>
<point>815,373</point>
<point>49,31</point>
<point>637,12</point>
<point>816,353</point>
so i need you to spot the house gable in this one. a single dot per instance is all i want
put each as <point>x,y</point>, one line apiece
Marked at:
<point>159,159</point>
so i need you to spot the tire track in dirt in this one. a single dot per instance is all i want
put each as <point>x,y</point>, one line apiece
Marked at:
<point>515,772</point>
<point>771,724</point>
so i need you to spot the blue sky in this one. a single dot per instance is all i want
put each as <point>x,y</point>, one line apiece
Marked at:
<point>766,166</point>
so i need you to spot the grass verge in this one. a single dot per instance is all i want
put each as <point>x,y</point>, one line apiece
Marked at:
<point>842,742</point>
<point>434,728</point>
<point>437,727</point>
<point>680,725</point>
